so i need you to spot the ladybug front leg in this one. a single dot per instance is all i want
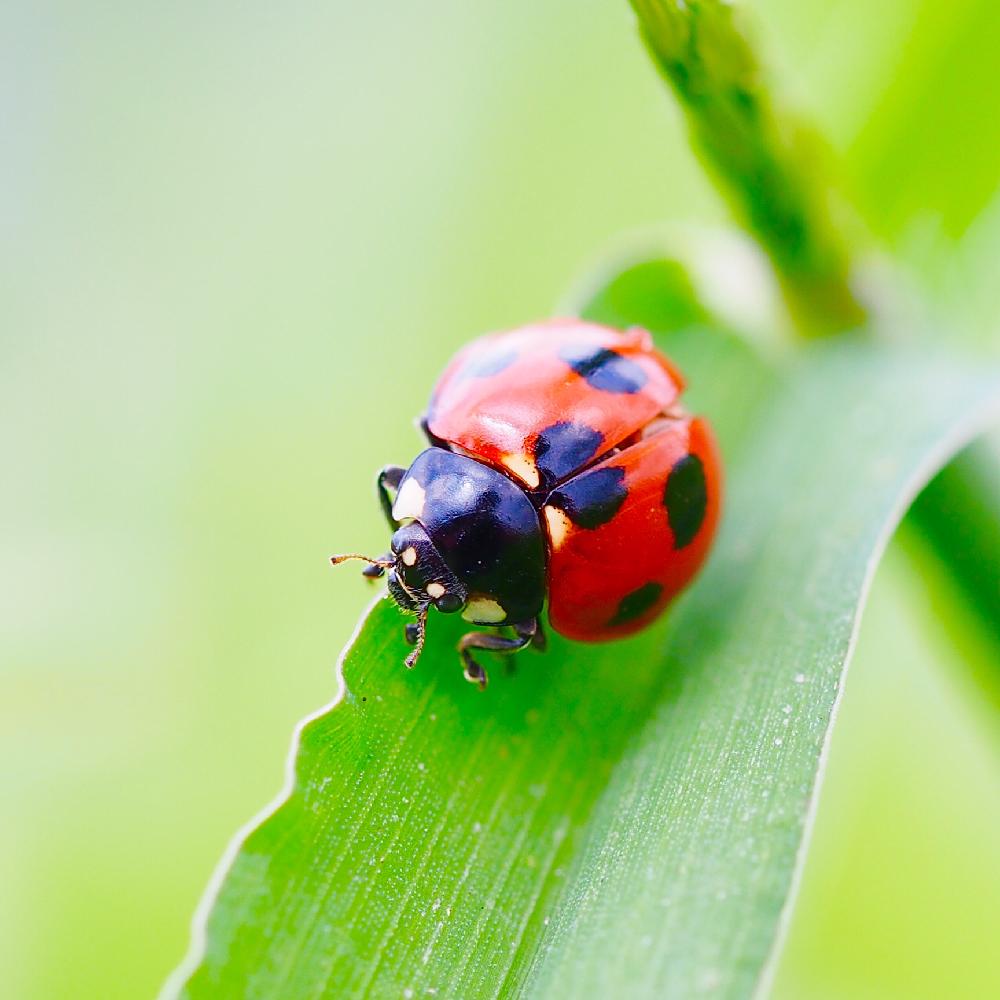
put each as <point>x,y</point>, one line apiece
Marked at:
<point>539,640</point>
<point>389,479</point>
<point>526,632</point>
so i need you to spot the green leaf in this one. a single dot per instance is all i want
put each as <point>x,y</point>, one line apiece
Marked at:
<point>623,819</point>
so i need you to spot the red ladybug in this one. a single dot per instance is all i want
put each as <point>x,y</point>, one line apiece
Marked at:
<point>560,465</point>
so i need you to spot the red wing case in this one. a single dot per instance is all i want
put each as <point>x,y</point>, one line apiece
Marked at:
<point>627,535</point>
<point>544,401</point>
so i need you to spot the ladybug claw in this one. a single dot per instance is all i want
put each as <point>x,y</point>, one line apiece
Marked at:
<point>474,672</point>
<point>539,640</point>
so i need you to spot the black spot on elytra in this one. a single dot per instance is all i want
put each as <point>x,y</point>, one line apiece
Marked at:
<point>636,604</point>
<point>604,369</point>
<point>592,498</point>
<point>489,363</point>
<point>562,448</point>
<point>685,496</point>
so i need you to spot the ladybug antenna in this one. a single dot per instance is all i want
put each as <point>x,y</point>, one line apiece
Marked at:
<point>376,567</point>
<point>418,642</point>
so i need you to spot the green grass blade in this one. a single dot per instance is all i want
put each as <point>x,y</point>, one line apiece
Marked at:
<point>612,820</point>
<point>690,856</point>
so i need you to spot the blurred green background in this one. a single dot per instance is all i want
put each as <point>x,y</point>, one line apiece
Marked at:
<point>238,241</point>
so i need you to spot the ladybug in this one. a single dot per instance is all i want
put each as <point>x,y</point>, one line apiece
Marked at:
<point>560,466</point>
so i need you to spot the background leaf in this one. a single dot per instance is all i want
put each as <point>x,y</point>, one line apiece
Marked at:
<point>621,816</point>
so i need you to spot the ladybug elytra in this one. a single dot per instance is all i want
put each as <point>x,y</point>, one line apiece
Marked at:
<point>560,468</point>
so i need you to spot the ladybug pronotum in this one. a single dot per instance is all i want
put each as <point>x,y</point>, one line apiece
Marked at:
<point>560,468</point>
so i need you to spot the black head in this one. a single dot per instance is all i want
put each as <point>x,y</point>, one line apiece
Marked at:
<point>467,539</point>
<point>420,576</point>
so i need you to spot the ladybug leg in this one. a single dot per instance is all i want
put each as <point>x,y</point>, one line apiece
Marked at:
<point>474,672</point>
<point>389,479</point>
<point>414,633</point>
<point>432,438</point>
<point>539,640</point>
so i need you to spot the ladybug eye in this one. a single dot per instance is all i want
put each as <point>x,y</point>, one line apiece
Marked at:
<point>449,603</point>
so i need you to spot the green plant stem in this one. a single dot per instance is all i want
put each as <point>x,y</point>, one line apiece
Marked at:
<point>760,158</point>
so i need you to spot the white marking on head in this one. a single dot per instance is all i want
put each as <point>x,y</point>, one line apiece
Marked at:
<point>409,556</point>
<point>409,501</point>
<point>435,590</point>
<point>523,466</point>
<point>559,526</point>
<point>484,611</point>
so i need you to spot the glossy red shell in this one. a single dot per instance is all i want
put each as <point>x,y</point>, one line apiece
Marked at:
<point>612,574</point>
<point>498,417</point>
<point>593,573</point>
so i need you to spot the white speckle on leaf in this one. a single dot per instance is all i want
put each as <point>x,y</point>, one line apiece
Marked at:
<point>800,678</point>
